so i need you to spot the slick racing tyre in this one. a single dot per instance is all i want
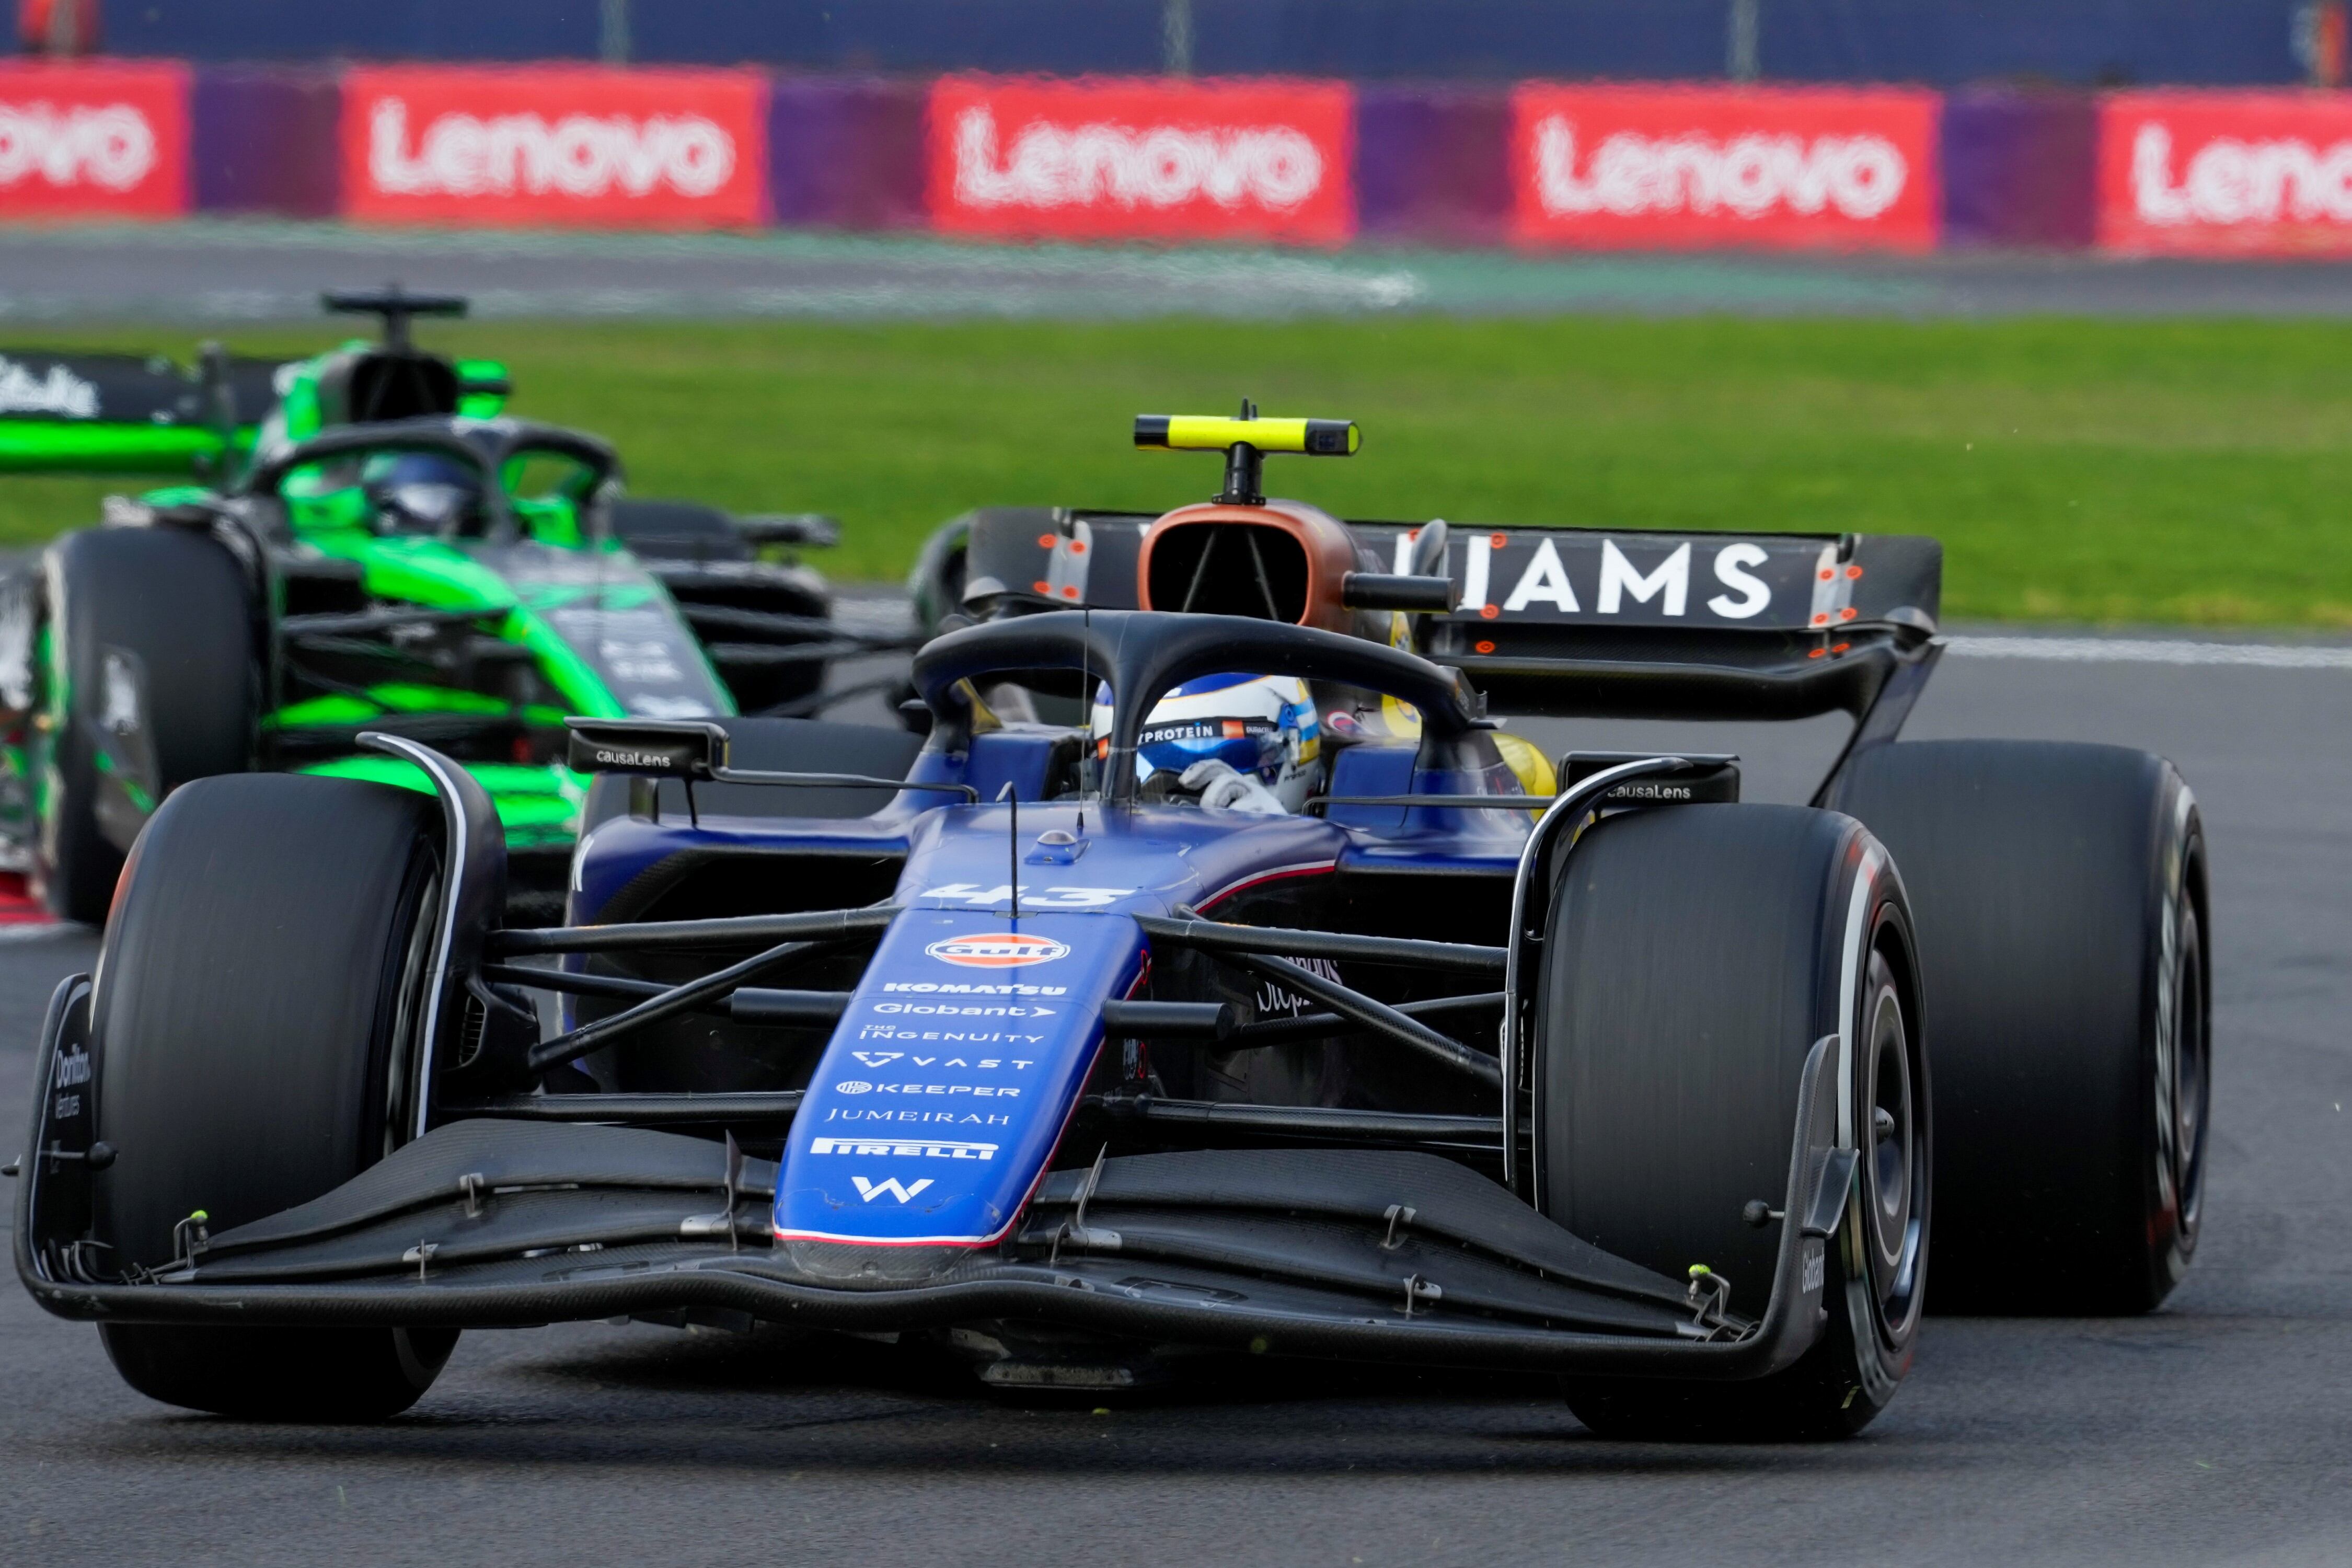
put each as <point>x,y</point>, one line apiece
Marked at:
<point>257,1001</point>
<point>2060,892</point>
<point>152,672</point>
<point>1694,954</point>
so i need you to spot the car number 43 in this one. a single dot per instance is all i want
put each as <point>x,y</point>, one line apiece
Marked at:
<point>973,895</point>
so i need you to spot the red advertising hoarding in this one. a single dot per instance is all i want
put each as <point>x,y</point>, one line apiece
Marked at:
<point>1681,167</point>
<point>1143,159</point>
<point>2225,174</point>
<point>560,145</point>
<point>102,140</point>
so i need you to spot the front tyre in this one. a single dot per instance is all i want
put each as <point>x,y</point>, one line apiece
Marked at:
<point>152,680</point>
<point>259,1003</point>
<point>1694,955</point>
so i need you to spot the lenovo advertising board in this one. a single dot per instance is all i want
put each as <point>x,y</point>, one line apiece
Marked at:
<point>2225,174</point>
<point>1117,159</point>
<point>555,146</point>
<point>1686,167</point>
<point>102,140</point>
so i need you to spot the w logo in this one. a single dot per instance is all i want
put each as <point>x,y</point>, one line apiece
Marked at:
<point>869,1191</point>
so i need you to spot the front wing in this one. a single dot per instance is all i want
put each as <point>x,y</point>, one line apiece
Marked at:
<point>1370,1254</point>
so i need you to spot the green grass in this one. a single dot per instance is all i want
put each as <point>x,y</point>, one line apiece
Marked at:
<point>2194,472</point>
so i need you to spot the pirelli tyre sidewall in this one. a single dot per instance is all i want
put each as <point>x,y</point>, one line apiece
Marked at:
<point>152,679</point>
<point>255,1017</point>
<point>2065,925</point>
<point>1696,954</point>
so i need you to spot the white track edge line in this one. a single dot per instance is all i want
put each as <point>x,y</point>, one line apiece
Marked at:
<point>2151,650</point>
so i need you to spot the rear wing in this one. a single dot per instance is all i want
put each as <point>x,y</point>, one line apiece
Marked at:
<point>123,413</point>
<point>1571,621</point>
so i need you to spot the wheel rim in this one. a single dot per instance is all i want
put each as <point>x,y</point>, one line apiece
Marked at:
<point>2190,1074</point>
<point>1894,1146</point>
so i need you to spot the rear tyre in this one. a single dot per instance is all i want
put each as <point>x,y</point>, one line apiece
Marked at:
<point>1695,954</point>
<point>151,628</point>
<point>2060,896</point>
<point>260,994</point>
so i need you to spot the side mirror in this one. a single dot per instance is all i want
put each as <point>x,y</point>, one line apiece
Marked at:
<point>649,748</point>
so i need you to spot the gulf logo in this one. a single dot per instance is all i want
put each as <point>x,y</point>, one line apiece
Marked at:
<point>997,950</point>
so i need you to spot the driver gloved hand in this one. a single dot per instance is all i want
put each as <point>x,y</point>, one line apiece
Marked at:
<point>1224,789</point>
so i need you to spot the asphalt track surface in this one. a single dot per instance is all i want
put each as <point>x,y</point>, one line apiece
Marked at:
<point>230,271</point>
<point>2215,1431</point>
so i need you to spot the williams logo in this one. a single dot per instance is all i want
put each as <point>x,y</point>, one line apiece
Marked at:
<point>905,1194</point>
<point>1007,949</point>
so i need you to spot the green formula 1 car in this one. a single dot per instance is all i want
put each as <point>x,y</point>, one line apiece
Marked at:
<point>374,547</point>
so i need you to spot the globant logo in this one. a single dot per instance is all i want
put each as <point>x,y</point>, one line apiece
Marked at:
<point>1630,174</point>
<point>580,155</point>
<point>1275,167</point>
<point>2229,180</point>
<point>111,147</point>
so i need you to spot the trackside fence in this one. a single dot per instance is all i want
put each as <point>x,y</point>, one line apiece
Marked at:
<point>1279,160</point>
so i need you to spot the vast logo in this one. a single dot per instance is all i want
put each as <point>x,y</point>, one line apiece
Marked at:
<point>907,1194</point>
<point>576,155</point>
<point>1007,949</point>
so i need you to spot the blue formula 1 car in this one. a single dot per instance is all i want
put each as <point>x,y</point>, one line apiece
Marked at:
<point>1262,996</point>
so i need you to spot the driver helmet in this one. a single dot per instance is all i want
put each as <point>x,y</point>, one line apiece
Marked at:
<point>1262,726</point>
<point>423,492</point>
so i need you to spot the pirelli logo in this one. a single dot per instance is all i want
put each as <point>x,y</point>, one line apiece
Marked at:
<point>903,1148</point>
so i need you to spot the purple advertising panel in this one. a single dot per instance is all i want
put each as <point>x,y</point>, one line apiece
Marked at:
<point>1433,164</point>
<point>265,141</point>
<point>846,153</point>
<point>2018,169</point>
